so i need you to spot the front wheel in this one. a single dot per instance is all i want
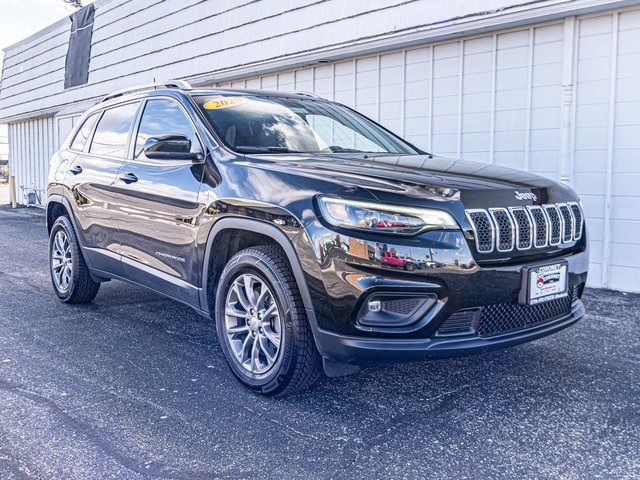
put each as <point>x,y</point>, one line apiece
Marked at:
<point>262,326</point>
<point>70,275</point>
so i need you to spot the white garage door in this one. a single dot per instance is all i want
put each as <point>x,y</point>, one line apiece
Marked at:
<point>525,98</point>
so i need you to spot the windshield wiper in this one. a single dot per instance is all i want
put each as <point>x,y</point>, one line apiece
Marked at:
<point>254,149</point>
<point>338,149</point>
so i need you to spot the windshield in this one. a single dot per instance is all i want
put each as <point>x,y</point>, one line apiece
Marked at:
<point>256,124</point>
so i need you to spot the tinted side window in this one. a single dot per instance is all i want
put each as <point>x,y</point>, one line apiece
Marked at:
<point>164,117</point>
<point>83,134</point>
<point>112,131</point>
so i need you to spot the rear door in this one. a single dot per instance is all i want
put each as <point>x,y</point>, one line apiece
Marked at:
<point>101,145</point>
<point>158,206</point>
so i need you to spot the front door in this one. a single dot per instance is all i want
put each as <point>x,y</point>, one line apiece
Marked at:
<point>159,209</point>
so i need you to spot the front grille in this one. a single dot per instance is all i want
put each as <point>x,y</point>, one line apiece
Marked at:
<point>502,318</point>
<point>506,229</point>
<point>505,317</point>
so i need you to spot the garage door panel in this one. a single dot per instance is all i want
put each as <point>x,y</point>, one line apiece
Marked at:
<point>623,231</point>
<point>623,278</point>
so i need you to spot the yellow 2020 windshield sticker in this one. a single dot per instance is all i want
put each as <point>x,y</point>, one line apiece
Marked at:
<point>224,102</point>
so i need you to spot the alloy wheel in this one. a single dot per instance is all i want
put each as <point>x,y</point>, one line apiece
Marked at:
<point>253,324</point>
<point>61,261</point>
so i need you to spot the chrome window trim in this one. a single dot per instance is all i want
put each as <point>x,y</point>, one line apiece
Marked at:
<point>492,212</point>
<point>517,227</point>
<point>577,232</point>
<point>546,208</point>
<point>475,231</point>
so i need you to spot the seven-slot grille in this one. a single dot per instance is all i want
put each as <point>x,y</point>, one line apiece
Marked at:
<point>523,228</point>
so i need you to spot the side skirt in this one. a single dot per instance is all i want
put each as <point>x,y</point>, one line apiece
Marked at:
<point>104,274</point>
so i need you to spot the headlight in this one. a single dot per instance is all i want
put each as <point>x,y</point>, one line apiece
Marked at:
<point>378,217</point>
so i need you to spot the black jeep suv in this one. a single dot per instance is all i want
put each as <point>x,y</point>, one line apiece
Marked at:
<point>311,235</point>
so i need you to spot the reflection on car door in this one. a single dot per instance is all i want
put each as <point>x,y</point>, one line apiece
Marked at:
<point>158,207</point>
<point>91,177</point>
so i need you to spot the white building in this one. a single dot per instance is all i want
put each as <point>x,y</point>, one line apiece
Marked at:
<point>4,144</point>
<point>550,86</point>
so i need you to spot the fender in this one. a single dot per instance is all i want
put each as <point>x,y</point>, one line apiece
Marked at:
<point>56,197</point>
<point>276,234</point>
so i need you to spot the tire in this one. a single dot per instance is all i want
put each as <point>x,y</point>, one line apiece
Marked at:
<point>287,359</point>
<point>76,286</point>
<point>410,266</point>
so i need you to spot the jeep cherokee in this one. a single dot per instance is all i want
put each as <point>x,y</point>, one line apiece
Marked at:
<point>312,236</point>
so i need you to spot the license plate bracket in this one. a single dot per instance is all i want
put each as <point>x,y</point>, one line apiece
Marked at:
<point>544,283</point>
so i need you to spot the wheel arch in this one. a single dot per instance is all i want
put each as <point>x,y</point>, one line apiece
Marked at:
<point>278,237</point>
<point>58,205</point>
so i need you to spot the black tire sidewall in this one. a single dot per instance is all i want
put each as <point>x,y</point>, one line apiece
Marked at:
<point>272,380</point>
<point>63,223</point>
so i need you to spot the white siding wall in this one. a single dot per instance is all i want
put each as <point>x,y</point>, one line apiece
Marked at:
<point>500,98</point>
<point>607,143</point>
<point>4,142</point>
<point>32,144</point>
<point>135,41</point>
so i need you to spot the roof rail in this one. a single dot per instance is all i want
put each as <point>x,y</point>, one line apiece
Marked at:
<point>307,94</point>
<point>179,84</point>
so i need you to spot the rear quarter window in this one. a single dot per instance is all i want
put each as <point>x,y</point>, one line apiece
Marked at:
<point>81,138</point>
<point>112,131</point>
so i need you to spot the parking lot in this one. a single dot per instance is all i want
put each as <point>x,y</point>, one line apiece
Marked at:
<point>135,386</point>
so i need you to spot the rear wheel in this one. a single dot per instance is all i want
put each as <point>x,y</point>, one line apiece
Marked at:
<point>70,275</point>
<point>262,326</point>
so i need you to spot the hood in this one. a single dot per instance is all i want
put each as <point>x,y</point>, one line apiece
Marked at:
<point>414,179</point>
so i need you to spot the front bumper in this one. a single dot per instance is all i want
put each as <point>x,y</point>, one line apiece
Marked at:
<point>367,351</point>
<point>350,273</point>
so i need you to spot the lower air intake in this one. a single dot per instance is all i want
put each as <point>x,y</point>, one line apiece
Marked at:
<point>507,317</point>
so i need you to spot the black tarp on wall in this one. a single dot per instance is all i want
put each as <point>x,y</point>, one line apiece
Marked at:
<point>76,67</point>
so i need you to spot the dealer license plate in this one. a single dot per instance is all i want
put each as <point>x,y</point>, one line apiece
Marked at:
<point>546,283</point>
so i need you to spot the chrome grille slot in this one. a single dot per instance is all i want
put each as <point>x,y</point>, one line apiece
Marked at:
<point>524,228</point>
<point>540,226</point>
<point>579,220</point>
<point>555,224</point>
<point>505,229</point>
<point>482,230</point>
<point>568,223</point>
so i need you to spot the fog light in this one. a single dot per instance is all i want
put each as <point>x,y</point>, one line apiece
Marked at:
<point>375,305</point>
<point>394,309</point>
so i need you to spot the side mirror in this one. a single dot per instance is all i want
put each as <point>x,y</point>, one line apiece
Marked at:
<point>170,147</point>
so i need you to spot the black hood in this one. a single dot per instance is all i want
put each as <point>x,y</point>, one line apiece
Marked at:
<point>412,179</point>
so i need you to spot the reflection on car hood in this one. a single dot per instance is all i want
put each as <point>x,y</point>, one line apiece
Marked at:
<point>416,176</point>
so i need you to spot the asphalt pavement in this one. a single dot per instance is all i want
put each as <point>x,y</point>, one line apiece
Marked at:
<point>134,386</point>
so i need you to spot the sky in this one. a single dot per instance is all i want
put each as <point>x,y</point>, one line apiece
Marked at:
<point>21,18</point>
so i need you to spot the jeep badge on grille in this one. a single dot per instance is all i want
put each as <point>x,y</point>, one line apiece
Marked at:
<point>526,196</point>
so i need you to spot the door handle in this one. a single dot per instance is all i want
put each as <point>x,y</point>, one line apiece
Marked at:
<point>128,178</point>
<point>76,170</point>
